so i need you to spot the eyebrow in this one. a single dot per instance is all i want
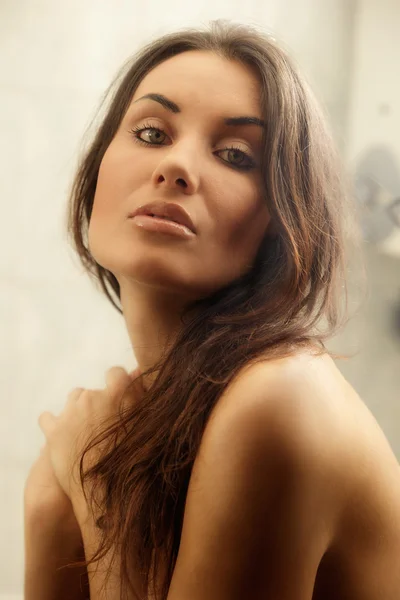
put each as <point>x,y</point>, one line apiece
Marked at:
<point>174,108</point>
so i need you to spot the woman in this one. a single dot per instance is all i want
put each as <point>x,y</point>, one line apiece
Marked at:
<point>238,463</point>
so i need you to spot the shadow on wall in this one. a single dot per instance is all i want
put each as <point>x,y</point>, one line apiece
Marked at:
<point>377,188</point>
<point>372,336</point>
<point>396,317</point>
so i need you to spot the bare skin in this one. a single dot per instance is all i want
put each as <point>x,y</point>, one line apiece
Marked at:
<point>363,562</point>
<point>356,552</point>
<point>189,164</point>
<point>352,550</point>
<point>362,559</point>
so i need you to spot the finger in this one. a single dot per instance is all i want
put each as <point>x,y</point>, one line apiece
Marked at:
<point>135,373</point>
<point>117,380</point>
<point>73,396</point>
<point>47,423</point>
<point>136,377</point>
<point>45,449</point>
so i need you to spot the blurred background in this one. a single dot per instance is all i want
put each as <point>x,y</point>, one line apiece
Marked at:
<point>56,60</point>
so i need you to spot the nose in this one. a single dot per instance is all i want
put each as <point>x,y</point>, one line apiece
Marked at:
<point>177,171</point>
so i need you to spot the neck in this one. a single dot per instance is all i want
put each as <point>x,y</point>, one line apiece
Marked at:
<point>152,319</point>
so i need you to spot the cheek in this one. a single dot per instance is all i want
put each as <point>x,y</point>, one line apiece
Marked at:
<point>247,234</point>
<point>112,176</point>
<point>123,170</point>
<point>241,221</point>
<point>103,205</point>
<point>244,216</point>
<point>101,202</point>
<point>115,182</point>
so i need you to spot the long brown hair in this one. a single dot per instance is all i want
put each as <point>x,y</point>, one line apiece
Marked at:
<point>296,284</point>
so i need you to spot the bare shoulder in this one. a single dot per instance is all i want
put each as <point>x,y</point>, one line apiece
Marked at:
<point>259,513</point>
<point>298,402</point>
<point>305,394</point>
<point>316,406</point>
<point>309,394</point>
<point>294,492</point>
<point>356,474</point>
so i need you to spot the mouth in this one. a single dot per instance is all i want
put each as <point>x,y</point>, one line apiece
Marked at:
<point>162,225</point>
<point>166,211</point>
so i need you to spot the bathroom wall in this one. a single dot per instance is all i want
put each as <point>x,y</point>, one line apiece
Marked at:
<point>58,331</point>
<point>373,148</point>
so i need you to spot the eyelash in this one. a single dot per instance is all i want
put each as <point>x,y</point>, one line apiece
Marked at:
<point>137,130</point>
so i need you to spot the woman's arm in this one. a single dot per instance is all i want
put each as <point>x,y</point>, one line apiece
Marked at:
<point>51,542</point>
<point>72,430</point>
<point>101,587</point>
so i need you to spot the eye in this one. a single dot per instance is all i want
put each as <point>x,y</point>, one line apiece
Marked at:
<point>155,136</point>
<point>238,158</point>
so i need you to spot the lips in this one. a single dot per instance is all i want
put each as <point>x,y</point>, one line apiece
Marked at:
<point>166,210</point>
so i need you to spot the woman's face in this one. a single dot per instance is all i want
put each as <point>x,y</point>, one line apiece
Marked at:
<point>183,156</point>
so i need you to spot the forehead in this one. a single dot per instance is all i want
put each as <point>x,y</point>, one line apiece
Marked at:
<point>197,78</point>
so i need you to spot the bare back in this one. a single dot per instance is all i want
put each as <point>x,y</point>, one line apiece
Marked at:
<point>363,562</point>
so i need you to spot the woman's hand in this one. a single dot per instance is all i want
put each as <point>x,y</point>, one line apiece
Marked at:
<point>68,434</point>
<point>52,537</point>
<point>43,495</point>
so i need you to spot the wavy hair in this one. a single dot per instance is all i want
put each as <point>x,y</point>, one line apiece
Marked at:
<point>291,298</point>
